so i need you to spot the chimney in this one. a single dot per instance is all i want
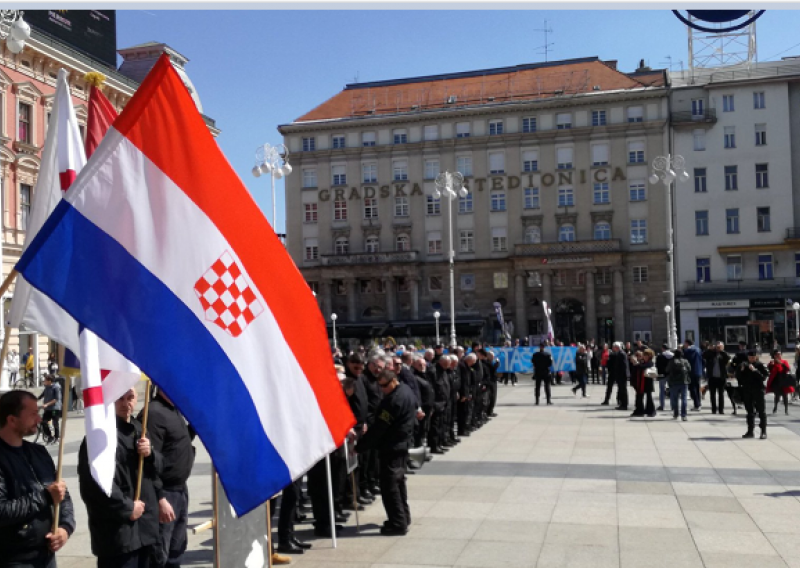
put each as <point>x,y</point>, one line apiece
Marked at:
<point>611,63</point>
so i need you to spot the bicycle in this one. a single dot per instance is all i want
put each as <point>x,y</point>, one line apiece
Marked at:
<point>25,381</point>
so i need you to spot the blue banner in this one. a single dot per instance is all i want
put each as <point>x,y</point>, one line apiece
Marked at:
<point>518,359</point>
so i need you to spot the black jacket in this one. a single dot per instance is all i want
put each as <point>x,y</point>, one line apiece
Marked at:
<point>425,391</point>
<point>170,435</point>
<point>542,361</point>
<point>407,377</point>
<point>466,379</point>
<point>708,362</point>
<point>752,381</point>
<point>26,509</point>
<point>111,529</point>
<point>394,422</point>
<point>618,369</point>
<point>374,394</point>
<point>582,363</point>
<point>441,388</point>
<point>358,400</point>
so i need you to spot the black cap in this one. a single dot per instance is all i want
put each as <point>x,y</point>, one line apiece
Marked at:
<point>752,353</point>
<point>438,346</point>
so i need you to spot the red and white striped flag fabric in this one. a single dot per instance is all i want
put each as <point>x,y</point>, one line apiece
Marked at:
<point>63,157</point>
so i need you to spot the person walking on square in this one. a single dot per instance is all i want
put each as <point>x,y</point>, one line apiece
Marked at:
<point>581,366</point>
<point>643,373</point>
<point>618,374</point>
<point>662,360</point>
<point>781,382</point>
<point>678,375</point>
<point>715,360</point>
<point>751,375</point>
<point>542,362</point>
<point>695,358</point>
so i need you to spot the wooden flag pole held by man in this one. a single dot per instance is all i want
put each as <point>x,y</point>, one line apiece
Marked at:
<point>57,507</point>
<point>7,331</point>
<point>138,493</point>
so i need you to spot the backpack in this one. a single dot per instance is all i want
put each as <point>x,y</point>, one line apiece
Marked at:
<point>679,375</point>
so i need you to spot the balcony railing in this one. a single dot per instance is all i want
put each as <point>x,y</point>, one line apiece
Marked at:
<point>368,258</point>
<point>708,115</point>
<point>793,233</point>
<point>567,247</point>
<point>715,287</point>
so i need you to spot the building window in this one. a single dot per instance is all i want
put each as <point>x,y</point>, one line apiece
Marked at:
<point>701,223</point>
<point>498,201</point>
<point>635,114</point>
<point>731,178</point>
<point>341,287</point>
<point>530,161</point>
<point>699,137</point>
<point>400,170</point>
<point>758,100</point>
<point>497,162</point>
<point>341,246</point>
<point>370,208</point>
<point>636,152</point>
<point>533,235</point>
<point>312,249</point>
<point>765,267</point>
<point>380,286</point>
<point>403,284</point>
<point>762,176</point>
<point>462,130</point>
<point>365,286</point>
<point>598,118</point>
<point>601,193</point>
<point>368,139</point>
<point>309,177</point>
<point>25,131</point>
<point>435,242</point>
<point>761,134</point>
<point>340,210</point>
<point>732,221</point>
<point>372,244</point>
<point>314,287</point>
<point>640,274</point>
<point>467,281</point>
<point>465,204</point>
<point>431,132</point>
<point>337,141</point>
<point>401,206</point>
<point>564,158</point>
<point>25,191</point>
<point>734,265</point>
<point>566,196</point>
<point>563,121</point>
<point>638,190</point>
<point>402,243</point>
<point>600,154</point>
<point>531,198</point>
<point>603,277</point>
<point>499,239</point>
<point>309,144</point>
<point>727,103</point>
<point>466,240</point>
<point>529,124</point>
<point>400,136</point>
<point>797,265</point>
<point>431,169</point>
<point>730,137</point>
<point>763,220</point>
<point>310,212</point>
<point>703,267</point>
<point>369,172</point>
<point>566,233</point>
<point>434,205</point>
<point>464,165</point>
<point>602,231</point>
<point>495,127</point>
<point>338,175</point>
<point>435,284</point>
<point>560,278</point>
<point>700,180</point>
<point>698,107</point>
<point>638,231</point>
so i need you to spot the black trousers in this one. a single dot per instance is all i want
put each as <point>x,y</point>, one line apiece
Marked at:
<point>172,536</point>
<point>289,500</point>
<point>716,388</point>
<point>644,403</point>
<point>137,559</point>
<point>45,560</point>
<point>436,430</point>
<point>492,391</point>
<point>542,380</point>
<point>393,489</point>
<point>462,412</point>
<point>754,404</point>
<point>318,492</point>
<point>55,416</point>
<point>477,407</point>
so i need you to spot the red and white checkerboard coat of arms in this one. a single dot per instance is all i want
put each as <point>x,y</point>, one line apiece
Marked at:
<point>227,298</point>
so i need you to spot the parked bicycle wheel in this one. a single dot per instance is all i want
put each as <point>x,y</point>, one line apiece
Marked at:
<point>21,384</point>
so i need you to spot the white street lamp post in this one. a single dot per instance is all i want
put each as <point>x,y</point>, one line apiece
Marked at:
<point>796,308</point>
<point>666,169</point>
<point>436,315</point>
<point>14,30</point>
<point>272,160</point>
<point>333,321</point>
<point>451,186</point>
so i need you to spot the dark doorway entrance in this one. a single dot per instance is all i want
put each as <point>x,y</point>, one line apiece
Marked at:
<point>570,323</point>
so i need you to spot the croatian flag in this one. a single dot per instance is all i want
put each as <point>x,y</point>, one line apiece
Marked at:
<point>63,157</point>
<point>160,250</point>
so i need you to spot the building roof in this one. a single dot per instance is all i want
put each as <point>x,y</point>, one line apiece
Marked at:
<point>519,83</point>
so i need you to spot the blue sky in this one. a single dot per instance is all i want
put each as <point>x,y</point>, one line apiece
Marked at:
<point>256,69</point>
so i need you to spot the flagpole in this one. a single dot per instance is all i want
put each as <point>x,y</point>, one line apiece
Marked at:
<point>144,434</point>
<point>215,523</point>
<point>330,499</point>
<point>57,508</point>
<point>269,532</point>
<point>7,335</point>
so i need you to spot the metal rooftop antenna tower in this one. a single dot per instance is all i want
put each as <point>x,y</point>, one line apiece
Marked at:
<point>547,46</point>
<point>722,48</point>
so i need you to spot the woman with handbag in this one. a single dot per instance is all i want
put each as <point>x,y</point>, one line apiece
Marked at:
<point>781,381</point>
<point>643,373</point>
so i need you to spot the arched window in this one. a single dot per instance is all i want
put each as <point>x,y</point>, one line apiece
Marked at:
<point>341,246</point>
<point>566,233</point>
<point>533,234</point>
<point>602,231</point>
<point>402,243</point>
<point>372,244</point>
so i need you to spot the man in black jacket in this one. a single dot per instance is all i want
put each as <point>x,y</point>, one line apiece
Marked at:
<point>542,362</point>
<point>466,376</point>
<point>389,436</point>
<point>171,437</point>
<point>619,373</point>
<point>123,530</point>
<point>715,361</point>
<point>357,397</point>
<point>368,479</point>
<point>28,490</point>
<point>751,375</point>
<point>441,398</point>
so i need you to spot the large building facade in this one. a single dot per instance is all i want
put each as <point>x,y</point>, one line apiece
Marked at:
<point>556,159</point>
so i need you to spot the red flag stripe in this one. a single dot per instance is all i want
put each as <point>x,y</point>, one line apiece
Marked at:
<point>66,179</point>
<point>92,396</point>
